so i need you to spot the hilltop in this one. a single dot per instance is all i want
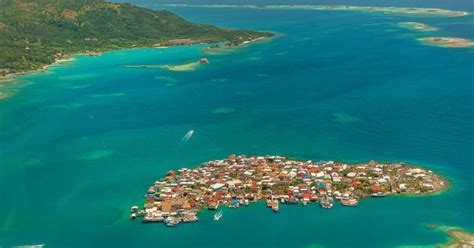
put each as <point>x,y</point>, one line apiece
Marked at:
<point>37,33</point>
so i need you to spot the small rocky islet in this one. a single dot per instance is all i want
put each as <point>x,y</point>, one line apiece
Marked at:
<point>417,26</point>
<point>183,67</point>
<point>240,180</point>
<point>458,237</point>
<point>447,42</point>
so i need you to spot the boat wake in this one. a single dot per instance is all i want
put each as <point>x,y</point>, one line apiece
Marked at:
<point>29,246</point>
<point>186,137</point>
<point>218,215</point>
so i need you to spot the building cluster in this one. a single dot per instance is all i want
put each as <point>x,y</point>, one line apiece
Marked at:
<point>239,180</point>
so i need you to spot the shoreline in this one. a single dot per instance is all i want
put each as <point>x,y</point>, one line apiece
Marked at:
<point>211,49</point>
<point>8,78</point>
<point>400,11</point>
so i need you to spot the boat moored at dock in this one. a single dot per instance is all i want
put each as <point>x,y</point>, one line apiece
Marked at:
<point>275,206</point>
<point>378,194</point>
<point>349,202</point>
<point>172,221</point>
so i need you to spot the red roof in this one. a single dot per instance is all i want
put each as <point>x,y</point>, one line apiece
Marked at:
<point>376,188</point>
<point>306,195</point>
<point>356,183</point>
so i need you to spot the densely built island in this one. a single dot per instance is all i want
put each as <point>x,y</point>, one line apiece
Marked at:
<point>36,33</point>
<point>239,180</point>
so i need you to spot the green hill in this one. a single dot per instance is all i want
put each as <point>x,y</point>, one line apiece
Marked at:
<point>34,33</point>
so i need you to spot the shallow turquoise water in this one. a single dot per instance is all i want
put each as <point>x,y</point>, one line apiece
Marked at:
<point>81,143</point>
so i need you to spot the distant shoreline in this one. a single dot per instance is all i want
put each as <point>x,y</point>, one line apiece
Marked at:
<point>410,11</point>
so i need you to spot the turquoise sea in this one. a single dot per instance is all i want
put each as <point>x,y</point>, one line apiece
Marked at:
<point>80,143</point>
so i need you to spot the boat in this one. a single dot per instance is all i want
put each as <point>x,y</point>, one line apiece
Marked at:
<point>203,61</point>
<point>151,219</point>
<point>133,216</point>
<point>172,221</point>
<point>326,202</point>
<point>378,194</point>
<point>234,203</point>
<point>218,215</point>
<point>187,136</point>
<point>275,206</point>
<point>349,202</point>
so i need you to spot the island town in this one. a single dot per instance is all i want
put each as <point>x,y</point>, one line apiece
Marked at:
<point>240,180</point>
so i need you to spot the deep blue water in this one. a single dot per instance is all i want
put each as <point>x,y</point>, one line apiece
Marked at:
<point>80,143</point>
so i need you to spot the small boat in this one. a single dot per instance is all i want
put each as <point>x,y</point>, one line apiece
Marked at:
<point>171,224</point>
<point>269,203</point>
<point>275,206</point>
<point>187,136</point>
<point>218,215</point>
<point>151,219</point>
<point>172,221</point>
<point>203,61</point>
<point>378,194</point>
<point>326,202</point>
<point>349,202</point>
<point>133,216</point>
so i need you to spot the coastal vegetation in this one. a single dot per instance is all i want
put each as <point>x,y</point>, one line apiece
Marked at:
<point>36,33</point>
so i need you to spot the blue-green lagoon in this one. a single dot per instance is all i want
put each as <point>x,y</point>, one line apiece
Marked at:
<point>81,142</point>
